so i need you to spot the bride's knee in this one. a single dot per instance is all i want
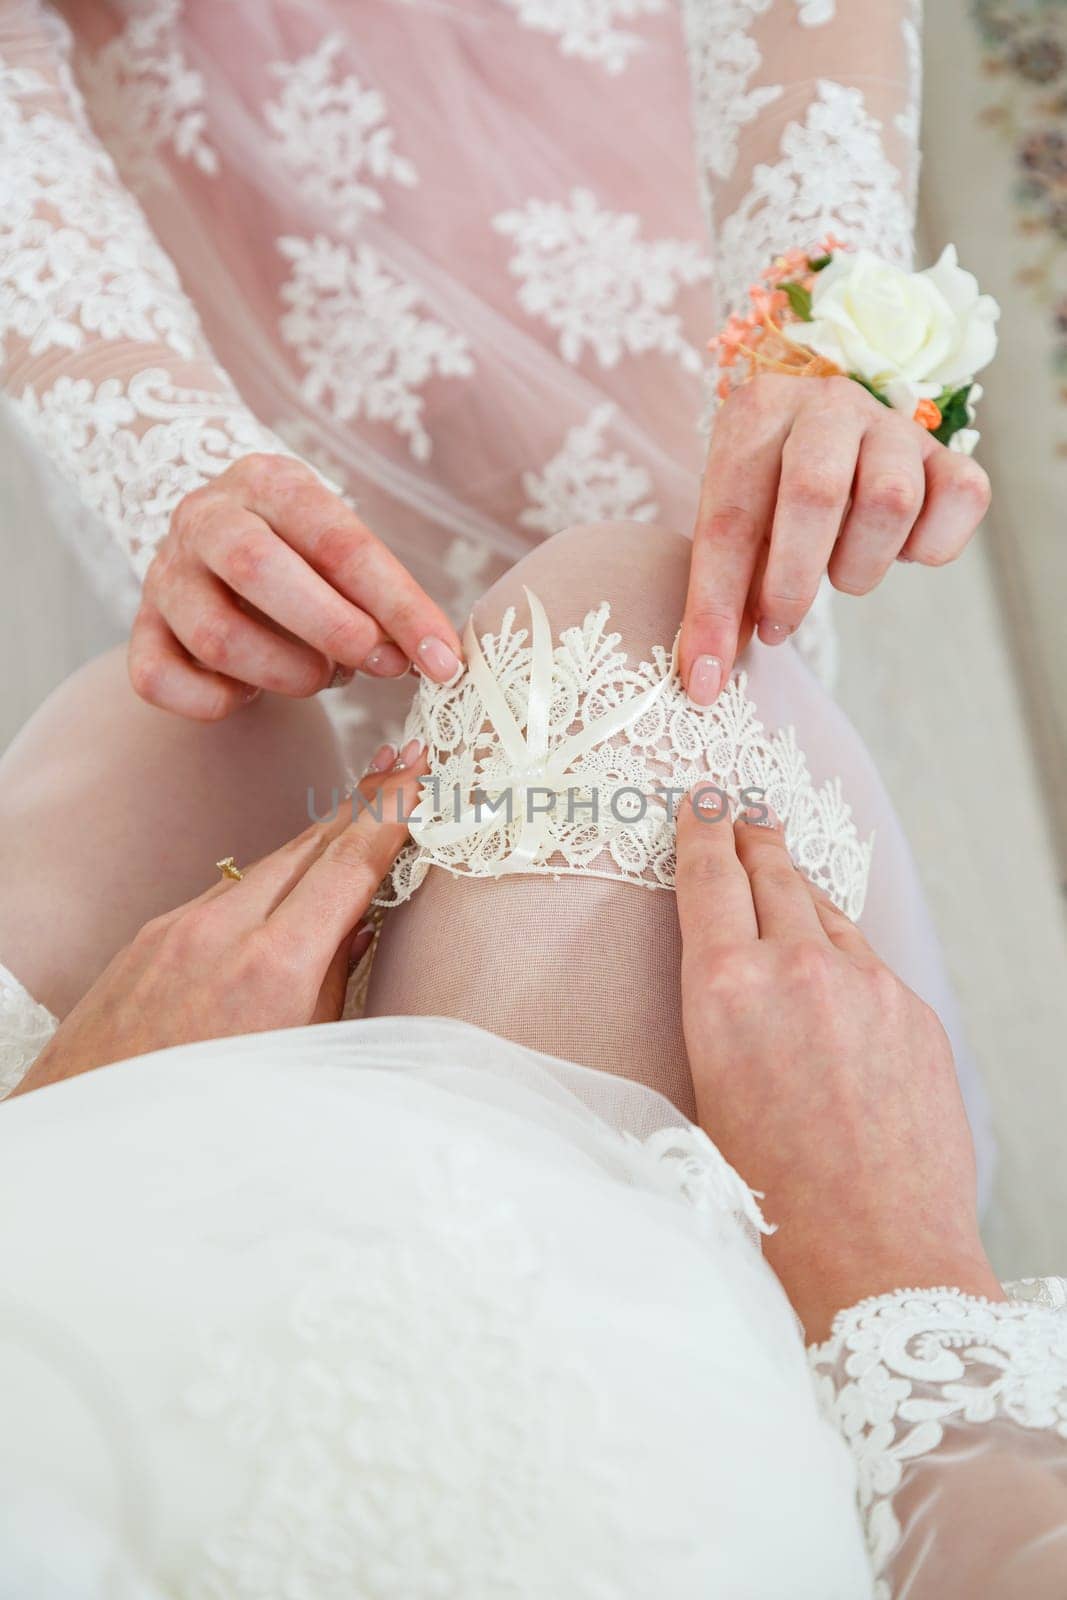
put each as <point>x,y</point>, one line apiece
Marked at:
<point>616,544</point>
<point>639,568</point>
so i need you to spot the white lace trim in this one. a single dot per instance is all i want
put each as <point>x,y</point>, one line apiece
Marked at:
<point>25,1029</point>
<point>131,474</point>
<point>671,744</point>
<point>583,482</point>
<point>589,275</point>
<point>898,1368</point>
<point>71,265</point>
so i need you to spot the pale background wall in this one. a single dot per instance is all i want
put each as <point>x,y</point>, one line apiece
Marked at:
<point>958,681</point>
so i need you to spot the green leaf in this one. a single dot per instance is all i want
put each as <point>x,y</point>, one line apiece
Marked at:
<point>819,262</point>
<point>869,387</point>
<point>799,300</point>
<point>952,404</point>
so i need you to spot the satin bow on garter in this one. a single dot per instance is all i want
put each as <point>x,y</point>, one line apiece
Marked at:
<point>535,767</point>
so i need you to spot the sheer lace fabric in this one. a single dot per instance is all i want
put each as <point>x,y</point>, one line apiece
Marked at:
<point>216,236</point>
<point>956,1410</point>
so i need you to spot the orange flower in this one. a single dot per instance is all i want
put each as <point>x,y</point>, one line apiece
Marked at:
<point>927,415</point>
<point>735,334</point>
<point>789,265</point>
<point>765,302</point>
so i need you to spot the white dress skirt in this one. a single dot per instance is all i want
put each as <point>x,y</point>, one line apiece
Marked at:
<point>397,1310</point>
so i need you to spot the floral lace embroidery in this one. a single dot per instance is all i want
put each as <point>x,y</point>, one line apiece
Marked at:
<point>586,28</point>
<point>588,273</point>
<point>723,57</point>
<point>898,1368</point>
<point>71,264</point>
<point>833,175</point>
<point>133,475</point>
<point>331,133</point>
<point>356,330</point>
<point>582,483</point>
<point>673,743</point>
<point>25,1029</point>
<point>144,96</point>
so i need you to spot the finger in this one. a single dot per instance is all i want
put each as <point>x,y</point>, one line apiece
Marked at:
<point>818,467</point>
<point>887,497</point>
<point>206,619</point>
<point>784,908</point>
<point>263,569</point>
<point>340,547</point>
<point>335,984</point>
<point>957,498</point>
<point>733,522</point>
<point>163,674</point>
<point>714,898</point>
<point>266,883</point>
<point>332,896</point>
<point>840,929</point>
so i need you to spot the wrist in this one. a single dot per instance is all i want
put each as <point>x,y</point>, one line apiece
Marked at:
<point>819,1288</point>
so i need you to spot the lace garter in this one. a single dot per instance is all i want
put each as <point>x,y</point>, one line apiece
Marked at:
<point>565,760</point>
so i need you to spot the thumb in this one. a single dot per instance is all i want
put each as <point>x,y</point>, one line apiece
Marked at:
<point>349,954</point>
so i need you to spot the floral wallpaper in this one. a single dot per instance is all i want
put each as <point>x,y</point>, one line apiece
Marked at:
<point>1024,44</point>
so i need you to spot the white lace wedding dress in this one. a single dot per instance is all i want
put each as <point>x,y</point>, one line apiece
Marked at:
<point>395,1308</point>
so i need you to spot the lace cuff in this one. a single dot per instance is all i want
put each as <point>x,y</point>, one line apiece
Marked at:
<point>947,1401</point>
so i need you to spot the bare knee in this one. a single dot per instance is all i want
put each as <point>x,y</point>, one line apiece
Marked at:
<point>618,541</point>
<point>639,568</point>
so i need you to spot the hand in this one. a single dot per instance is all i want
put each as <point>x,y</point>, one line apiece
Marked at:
<point>271,951</point>
<point>807,476</point>
<point>823,1079</point>
<point>266,580</point>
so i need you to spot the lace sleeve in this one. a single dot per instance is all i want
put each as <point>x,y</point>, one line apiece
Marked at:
<point>806,117</point>
<point>955,1410</point>
<point>103,355</point>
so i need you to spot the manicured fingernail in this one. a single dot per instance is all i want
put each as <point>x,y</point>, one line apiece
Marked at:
<point>249,694</point>
<point>360,944</point>
<point>341,676</point>
<point>437,660</point>
<point>773,632</point>
<point>383,759</point>
<point>705,680</point>
<point>411,752</point>
<point>386,661</point>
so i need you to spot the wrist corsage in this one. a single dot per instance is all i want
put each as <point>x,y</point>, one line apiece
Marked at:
<point>915,340</point>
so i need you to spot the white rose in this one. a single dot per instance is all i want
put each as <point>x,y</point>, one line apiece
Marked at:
<point>909,334</point>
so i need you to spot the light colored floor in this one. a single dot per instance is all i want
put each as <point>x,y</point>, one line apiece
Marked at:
<point>927,675</point>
